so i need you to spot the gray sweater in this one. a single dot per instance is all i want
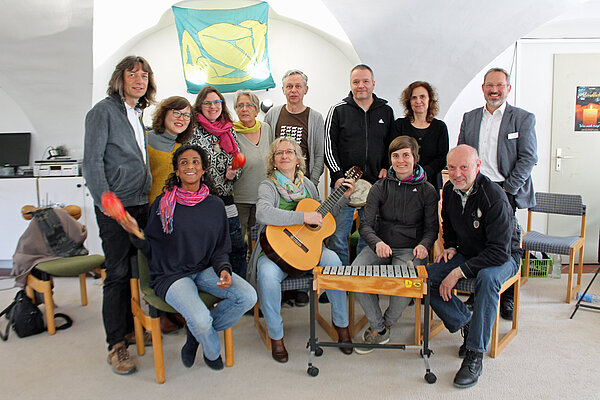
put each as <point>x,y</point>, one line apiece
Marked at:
<point>316,140</point>
<point>112,159</point>
<point>269,213</point>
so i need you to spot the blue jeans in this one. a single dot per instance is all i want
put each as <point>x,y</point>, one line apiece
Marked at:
<point>455,314</point>
<point>269,278</point>
<point>237,257</point>
<point>370,302</point>
<point>338,242</point>
<point>202,322</point>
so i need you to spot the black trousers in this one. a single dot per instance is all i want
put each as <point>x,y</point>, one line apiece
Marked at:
<point>118,251</point>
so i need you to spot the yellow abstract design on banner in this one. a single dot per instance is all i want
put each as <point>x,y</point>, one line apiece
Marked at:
<point>217,41</point>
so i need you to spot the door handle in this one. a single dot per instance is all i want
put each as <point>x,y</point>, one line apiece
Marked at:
<point>559,157</point>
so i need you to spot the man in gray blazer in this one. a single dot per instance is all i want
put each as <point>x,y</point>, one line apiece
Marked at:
<point>505,138</point>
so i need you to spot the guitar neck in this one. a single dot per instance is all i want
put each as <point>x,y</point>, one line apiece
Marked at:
<point>332,200</point>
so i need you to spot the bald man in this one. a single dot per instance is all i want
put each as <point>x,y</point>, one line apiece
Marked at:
<point>480,241</point>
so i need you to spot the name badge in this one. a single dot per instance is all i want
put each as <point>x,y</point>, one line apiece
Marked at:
<point>514,135</point>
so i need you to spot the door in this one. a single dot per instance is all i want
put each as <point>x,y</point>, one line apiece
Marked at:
<point>575,157</point>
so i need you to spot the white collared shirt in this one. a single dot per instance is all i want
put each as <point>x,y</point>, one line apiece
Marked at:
<point>133,115</point>
<point>488,142</point>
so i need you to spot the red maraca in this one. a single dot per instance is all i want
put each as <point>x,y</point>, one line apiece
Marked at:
<point>114,208</point>
<point>238,161</point>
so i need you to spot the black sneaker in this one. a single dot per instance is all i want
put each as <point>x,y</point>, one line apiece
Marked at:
<point>301,298</point>
<point>506,308</point>
<point>464,331</point>
<point>470,370</point>
<point>323,299</point>
<point>217,364</point>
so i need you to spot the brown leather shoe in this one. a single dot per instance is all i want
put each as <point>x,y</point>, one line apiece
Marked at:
<point>278,351</point>
<point>344,337</point>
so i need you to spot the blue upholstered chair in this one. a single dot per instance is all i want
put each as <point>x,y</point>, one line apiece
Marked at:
<point>561,204</point>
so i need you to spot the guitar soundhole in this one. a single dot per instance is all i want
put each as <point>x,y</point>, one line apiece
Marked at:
<point>313,227</point>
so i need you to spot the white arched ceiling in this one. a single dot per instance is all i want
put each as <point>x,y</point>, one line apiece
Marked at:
<point>46,67</point>
<point>445,42</point>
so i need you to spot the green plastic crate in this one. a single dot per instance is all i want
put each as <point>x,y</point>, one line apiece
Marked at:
<point>538,268</point>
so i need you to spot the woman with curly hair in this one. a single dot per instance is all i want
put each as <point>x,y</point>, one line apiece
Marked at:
<point>420,104</point>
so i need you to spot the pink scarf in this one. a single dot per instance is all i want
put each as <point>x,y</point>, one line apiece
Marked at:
<point>178,195</point>
<point>221,129</point>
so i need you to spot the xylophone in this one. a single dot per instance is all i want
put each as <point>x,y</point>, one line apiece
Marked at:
<point>394,280</point>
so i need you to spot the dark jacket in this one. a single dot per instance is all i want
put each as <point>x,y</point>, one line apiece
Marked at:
<point>484,232</point>
<point>112,159</point>
<point>200,240</point>
<point>402,214</point>
<point>354,136</point>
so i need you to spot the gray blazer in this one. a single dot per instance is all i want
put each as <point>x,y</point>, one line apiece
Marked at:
<point>517,149</point>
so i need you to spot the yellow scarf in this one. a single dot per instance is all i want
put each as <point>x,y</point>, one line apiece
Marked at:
<point>240,128</point>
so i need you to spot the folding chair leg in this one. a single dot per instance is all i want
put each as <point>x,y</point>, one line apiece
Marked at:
<point>159,362</point>
<point>83,290</point>
<point>570,281</point>
<point>228,339</point>
<point>262,329</point>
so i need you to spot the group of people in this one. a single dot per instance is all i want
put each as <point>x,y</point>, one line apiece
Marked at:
<point>178,183</point>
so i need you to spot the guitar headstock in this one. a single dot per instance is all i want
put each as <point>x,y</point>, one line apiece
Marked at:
<point>354,173</point>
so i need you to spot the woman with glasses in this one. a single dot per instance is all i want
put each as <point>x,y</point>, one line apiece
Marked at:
<point>215,135</point>
<point>420,104</point>
<point>278,196</point>
<point>172,125</point>
<point>254,138</point>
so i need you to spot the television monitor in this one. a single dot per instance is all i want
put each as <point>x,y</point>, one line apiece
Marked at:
<point>14,149</point>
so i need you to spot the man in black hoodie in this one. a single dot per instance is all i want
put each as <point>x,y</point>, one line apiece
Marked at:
<point>357,133</point>
<point>480,242</point>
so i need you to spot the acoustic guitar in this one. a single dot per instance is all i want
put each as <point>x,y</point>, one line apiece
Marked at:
<point>297,248</point>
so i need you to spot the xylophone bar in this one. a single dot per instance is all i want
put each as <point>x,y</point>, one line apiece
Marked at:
<point>384,271</point>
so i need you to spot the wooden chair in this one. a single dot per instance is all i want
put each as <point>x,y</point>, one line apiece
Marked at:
<point>40,278</point>
<point>561,204</point>
<point>497,343</point>
<point>139,283</point>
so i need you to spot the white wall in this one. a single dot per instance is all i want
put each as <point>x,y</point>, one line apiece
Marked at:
<point>14,119</point>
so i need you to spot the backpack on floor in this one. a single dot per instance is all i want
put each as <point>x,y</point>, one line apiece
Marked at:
<point>26,318</point>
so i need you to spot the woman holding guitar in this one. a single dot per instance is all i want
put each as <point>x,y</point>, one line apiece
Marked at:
<point>400,224</point>
<point>278,197</point>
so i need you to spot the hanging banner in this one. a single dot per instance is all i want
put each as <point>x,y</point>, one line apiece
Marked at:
<point>225,48</point>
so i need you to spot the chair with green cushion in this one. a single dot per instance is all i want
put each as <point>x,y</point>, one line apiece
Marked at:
<point>140,283</point>
<point>40,280</point>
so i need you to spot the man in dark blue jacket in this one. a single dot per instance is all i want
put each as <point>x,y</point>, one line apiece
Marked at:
<point>357,133</point>
<point>481,242</point>
<point>116,159</point>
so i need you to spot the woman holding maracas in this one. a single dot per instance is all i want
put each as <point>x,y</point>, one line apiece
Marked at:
<point>185,256</point>
<point>215,135</point>
<point>254,138</point>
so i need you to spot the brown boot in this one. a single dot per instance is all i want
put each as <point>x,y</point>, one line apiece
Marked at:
<point>344,337</point>
<point>118,359</point>
<point>278,351</point>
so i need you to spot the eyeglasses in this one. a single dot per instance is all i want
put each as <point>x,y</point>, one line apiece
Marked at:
<point>207,103</point>
<point>179,114</point>
<point>288,153</point>
<point>241,106</point>
<point>492,86</point>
